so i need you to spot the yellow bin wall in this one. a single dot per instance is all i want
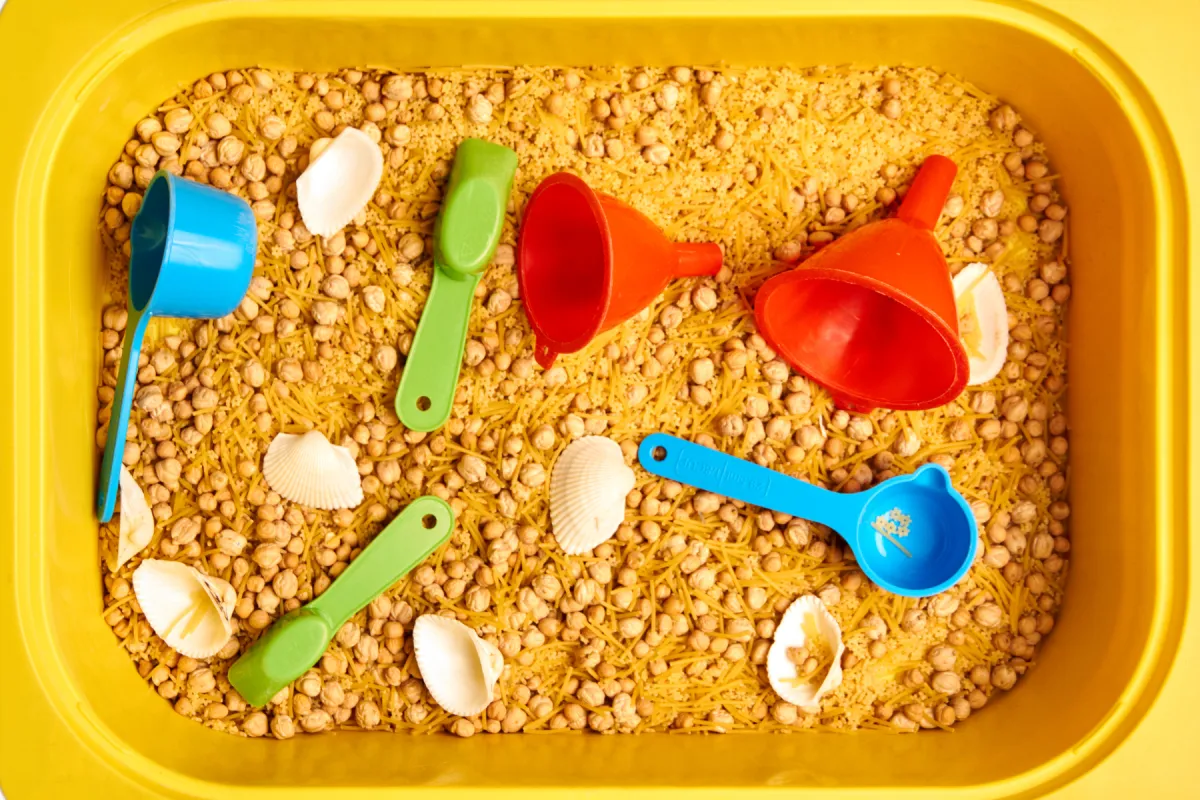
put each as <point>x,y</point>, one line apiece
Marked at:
<point>71,689</point>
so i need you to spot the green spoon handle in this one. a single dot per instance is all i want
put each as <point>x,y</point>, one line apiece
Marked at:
<point>407,540</point>
<point>430,376</point>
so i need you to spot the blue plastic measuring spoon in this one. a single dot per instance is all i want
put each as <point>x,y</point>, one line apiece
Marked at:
<point>192,251</point>
<point>913,535</point>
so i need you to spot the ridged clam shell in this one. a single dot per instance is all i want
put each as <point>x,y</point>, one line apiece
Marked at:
<point>191,612</point>
<point>587,493</point>
<point>137,523</point>
<point>308,470</point>
<point>980,303</point>
<point>790,633</point>
<point>339,182</point>
<point>458,667</point>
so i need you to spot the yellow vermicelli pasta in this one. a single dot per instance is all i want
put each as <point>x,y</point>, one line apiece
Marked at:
<point>666,626</point>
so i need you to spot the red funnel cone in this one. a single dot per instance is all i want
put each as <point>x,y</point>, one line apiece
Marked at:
<point>587,262</point>
<point>872,316</point>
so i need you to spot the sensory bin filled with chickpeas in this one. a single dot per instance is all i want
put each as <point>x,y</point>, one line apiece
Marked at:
<point>666,626</point>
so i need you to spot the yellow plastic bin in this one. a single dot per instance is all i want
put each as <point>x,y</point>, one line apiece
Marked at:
<point>77,720</point>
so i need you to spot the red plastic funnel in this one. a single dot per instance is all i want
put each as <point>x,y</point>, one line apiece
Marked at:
<point>871,317</point>
<point>587,262</point>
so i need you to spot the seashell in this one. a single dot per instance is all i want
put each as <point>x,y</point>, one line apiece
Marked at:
<point>982,321</point>
<point>806,620</point>
<point>458,667</point>
<point>587,493</point>
<point>137,523</point>
<point>191,612</point>
<point>339,182</point>
<point>308,470</point>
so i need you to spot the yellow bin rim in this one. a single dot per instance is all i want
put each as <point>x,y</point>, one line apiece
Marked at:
<point>40,701</point>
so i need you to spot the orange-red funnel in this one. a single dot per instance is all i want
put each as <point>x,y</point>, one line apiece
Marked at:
<point>872,317</point>
<point>587,262</point>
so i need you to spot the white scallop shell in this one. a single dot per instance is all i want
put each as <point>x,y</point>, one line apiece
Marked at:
<point>982,321</point>
<point>791,633</point>
<point>307,469</point>
<point>458,667</point>
<point>137,523</point>
<point>191,611</point>
<point>340,182</point>
<point>587,493</point>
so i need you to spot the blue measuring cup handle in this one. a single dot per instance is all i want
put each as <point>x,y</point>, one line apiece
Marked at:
<point>118,423</point>
<point>680,460</point>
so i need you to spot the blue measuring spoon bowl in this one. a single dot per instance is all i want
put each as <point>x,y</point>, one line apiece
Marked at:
<point>913,535</point>
<point>192,252</point>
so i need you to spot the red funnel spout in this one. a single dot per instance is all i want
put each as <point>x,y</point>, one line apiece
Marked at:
<point>697,260</point>
<point>922,205</point>
<point>586,262</point>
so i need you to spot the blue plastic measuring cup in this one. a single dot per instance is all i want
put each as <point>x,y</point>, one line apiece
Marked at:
<point>913,535</point>
<point>192,251</point>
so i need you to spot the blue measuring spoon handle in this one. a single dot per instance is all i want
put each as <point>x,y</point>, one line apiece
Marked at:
<point>118,421</point>
<point>680,460</point>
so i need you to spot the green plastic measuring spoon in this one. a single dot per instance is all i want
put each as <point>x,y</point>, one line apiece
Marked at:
<point>464,240</point>
<point>298,638</point>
